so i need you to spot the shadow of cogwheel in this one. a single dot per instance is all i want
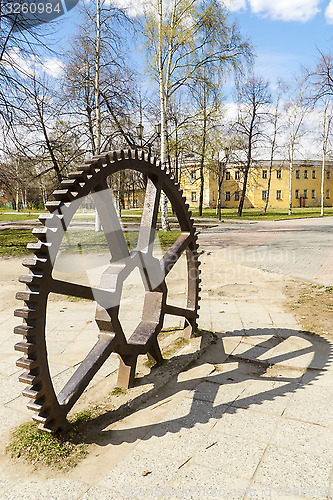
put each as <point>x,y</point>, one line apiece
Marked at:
<point>51,408</point>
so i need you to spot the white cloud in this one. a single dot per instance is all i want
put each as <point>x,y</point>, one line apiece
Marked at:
<point>53,67</point>
<point>329,12</point>
<point>286,10</point>
<point>234,5</point>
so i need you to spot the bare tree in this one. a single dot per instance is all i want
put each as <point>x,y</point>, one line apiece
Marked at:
<point>273,145</point>
<point>299,104</point>
<point>251,126</point>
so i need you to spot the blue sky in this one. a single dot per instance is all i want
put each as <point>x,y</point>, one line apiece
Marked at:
<point>285,33</point>
<point>283,46</point>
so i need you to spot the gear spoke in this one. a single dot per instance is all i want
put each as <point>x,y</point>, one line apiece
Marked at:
<point>180,311</point>
<point>175,251</point>
<point>104,298</point>
<point>149,217</point>
<point>104,201</point>
<point>86,371</point>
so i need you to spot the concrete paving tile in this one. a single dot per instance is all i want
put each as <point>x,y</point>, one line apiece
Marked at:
<point>267,396</point>
<point>98,493</point>
<point>246,423</point>
<point>231,454</point>
<point>259,491</point>
<point>196,482</point>
<point>140,474</point>
<point>219,394</point>
<point>323,378</point>
<point>35,489</point>
<point>304,437</point>
<point>318,411</point>
<point>300,474</point>
<point>169,436</point>
<point>195,414</point>
<point>10,388</point>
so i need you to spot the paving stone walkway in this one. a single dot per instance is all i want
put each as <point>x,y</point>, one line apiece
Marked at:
<point>251,420</point>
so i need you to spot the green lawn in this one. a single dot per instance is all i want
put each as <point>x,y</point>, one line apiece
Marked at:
<point>13,242</point>
<point>257,214</point>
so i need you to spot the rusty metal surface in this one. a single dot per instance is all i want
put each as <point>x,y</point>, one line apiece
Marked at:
<point>51,409</point>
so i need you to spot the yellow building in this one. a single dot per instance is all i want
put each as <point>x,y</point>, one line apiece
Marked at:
<point>306,185</point>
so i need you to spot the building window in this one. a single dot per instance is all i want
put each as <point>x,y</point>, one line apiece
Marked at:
<point>279,194</point>
<point>264,174</point>
<point>213,195</point>
<point>314,174</point>
<point>328,174</point>
<point>328,194</point>
<point>306,174</point>
<point>227,196</point>
<point>236,195</point>
<point>306,194</point>
<point>298,174</point>
<point>193,196</point>
<point>213,175</point>
<point>237,175</point>
<point>313,193</point>
<point>193,175</point>
<point>279,174</point>
<point>227,176</point>
<point>297,194</point>
<point>264,195</point>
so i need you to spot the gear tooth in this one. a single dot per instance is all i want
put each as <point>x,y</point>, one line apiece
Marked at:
<point>27,296</point>
<point>42,233</point>
<point>35,406</point>
<point>31,278</point>
<point>26,313</point>
<point>40,247</point>
<point>63,195</point>
<point>26,363</point>
<point>45,218</point>
<point>25,347</point>
<point>27,378</point>
<point>54,206</point>
<point>35,262</point>
<point>87,169</point>
<point>40,419</point>
<point>32,393</point>
<point>71,184</point>
<point>25,330</point>
<point>78,176</point>
<point>141,155</point>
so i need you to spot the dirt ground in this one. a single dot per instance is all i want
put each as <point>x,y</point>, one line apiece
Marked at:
<point>312,306</point>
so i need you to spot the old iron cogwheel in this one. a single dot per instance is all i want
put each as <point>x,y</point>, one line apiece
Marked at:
<point>51,409</point>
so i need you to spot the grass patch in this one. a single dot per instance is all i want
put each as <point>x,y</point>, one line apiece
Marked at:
<point>37,447</point>
<point>14,242</point>
<point>175,346</point>
<point>118,391</point>
<point>258,214</point>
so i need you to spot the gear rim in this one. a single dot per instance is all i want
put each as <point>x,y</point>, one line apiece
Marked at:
<point>50,411</point>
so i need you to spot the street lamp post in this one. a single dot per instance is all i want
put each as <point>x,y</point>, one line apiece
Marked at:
<point>149,142</point>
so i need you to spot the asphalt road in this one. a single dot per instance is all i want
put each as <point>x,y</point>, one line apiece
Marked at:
<point>300,248</point>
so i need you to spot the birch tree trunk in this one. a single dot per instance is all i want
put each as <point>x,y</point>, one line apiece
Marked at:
<point>98,226</point>
<point>322,194</point>
<point>163,106</point>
